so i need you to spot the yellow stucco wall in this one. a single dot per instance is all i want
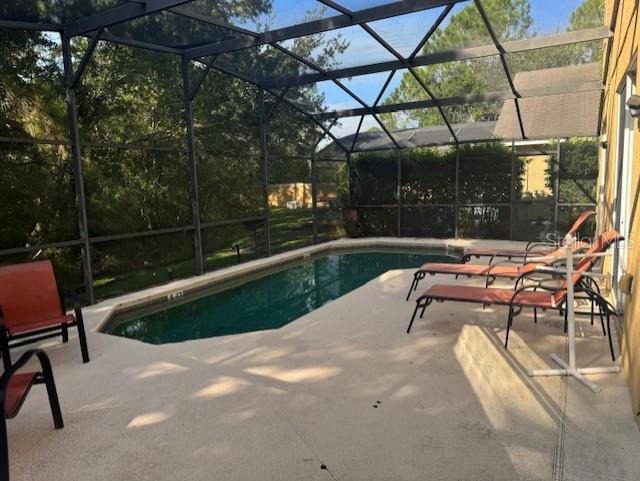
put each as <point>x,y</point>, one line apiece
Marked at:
<point>534,179</point>
<point>625,45</point>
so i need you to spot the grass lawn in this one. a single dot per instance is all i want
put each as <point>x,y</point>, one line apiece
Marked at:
<point>290,229</point>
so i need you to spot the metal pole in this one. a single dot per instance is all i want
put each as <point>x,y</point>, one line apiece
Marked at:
<point>399,191</point>
<point>76,167</point>
<point>349,182</point>
<point>457,193</point>
<point>192,166</point>
<point>556,186</point>
<point>512,208</point>
<point>570,368</point>
<point>264,161</point>
<point>314,193</point>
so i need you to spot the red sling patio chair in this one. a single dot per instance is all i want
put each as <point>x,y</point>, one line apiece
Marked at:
<point>491,271</point>
<point>532,248</point>
<point>14,388</point>
<point>31,309</point>
<point>535,296</point>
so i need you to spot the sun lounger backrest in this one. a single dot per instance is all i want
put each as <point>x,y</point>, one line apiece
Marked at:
<point>582,218</point>
<point>599,245</point>
<point>28,293</point>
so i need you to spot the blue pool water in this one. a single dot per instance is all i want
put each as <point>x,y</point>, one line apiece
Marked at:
<point>267,302</point>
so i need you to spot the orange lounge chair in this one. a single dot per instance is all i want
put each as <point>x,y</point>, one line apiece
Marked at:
<point>31,309</point>
<point>492,271</point>
<point>532,248</point>
<point>531,296</point>
<point>14,388</point>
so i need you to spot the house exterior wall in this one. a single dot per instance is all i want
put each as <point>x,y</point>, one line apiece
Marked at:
<point>622,57</point>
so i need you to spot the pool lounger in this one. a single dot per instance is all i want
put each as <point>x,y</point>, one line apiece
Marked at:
<point>529,250</point>
<point>492,271</point>
<point>530,296</point>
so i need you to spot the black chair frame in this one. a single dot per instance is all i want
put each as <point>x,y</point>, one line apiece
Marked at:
<point>44,376</point>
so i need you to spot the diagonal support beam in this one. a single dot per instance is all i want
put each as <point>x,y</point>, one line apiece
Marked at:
<point>314,120</point>
<point>211,21</point>
<point>384,88</point>
<point>348,91</point>
<point>319,26</point>
<point>435,101</point>
<point>431,31</point>
<point>355,137</point>
<point>86,58</point>
<point>321,137</point>
<point>275,104</point>
<point>198,83</point>
<point>337,7</point>
<point>286,101</point>
<point>382,42</point>
<point>503,60</point>
<point>118,14</point>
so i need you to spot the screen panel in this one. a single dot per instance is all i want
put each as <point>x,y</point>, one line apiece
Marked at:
<point>122,266</point>
<point>134,190</point>
<point>486,222</point>
<point>428,221</point>
<point>224,246</point>
<point>36,183</point>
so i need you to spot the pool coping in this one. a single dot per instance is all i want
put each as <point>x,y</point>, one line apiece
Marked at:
<point>98,315</point>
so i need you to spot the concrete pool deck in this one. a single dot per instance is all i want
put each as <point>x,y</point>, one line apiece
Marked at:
<point>343,387</point>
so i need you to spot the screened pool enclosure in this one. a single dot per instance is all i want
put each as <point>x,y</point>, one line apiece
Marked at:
<point>143,141</point>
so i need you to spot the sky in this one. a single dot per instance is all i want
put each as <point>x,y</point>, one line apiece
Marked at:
<point>402,33</point>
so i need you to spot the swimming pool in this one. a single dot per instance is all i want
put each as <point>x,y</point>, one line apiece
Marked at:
<point>269,301</point>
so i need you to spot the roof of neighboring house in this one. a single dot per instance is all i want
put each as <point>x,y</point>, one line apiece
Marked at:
<point>574,113</point>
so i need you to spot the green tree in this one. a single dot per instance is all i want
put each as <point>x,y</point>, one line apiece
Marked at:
<point>133,97</point>
<point>511,20</point>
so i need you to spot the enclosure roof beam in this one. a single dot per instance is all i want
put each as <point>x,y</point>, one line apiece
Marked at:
<point>211,21</point>
<point>388,47</point>
<point>319,26</point>
<point>503,60</point>
<point>316,121</point>
<point>463,100</point>
<point>396,54</point>
<point>515,46</point>
<point>106,36</point>
<point>118,14</point>
<point>31,26</point>
<point>348,91</point>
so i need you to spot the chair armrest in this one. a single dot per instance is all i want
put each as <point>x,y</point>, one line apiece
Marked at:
<point>45,365</point>
<point>533,244</point>
<point>535,276</point>
<point>499,263</point>
<point>535,287</point>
